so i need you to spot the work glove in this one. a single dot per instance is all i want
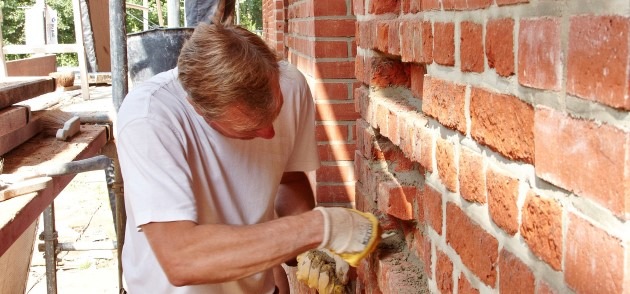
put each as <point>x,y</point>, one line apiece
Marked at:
<point>349,233</point>
<point>323,270</point>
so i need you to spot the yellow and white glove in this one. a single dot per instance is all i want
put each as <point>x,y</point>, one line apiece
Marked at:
<point>349,233</point>
<point>323,270</point>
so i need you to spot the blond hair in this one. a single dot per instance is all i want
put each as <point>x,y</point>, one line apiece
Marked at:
<point>223,65</point>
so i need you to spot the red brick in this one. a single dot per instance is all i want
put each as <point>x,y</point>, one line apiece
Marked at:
<point>444,43</point>
<point>358,7</point>
<point>336,151</point>
<point>472,177</point>
<point>445,102</point>
<point>447,168</point>
<point>539,55</point>
<point>464,286</point>
<point>430,5</point>
<point>396,200</point>
<point>415,6</point>
<point>476,247</point>
<point>515,276</point>
<point>396,274</point>
<point>335,173</point>
<point>382,36</point>
<point>333,27</point>
<point>363,34</point>
<point>407,39</point>
<point>502,197</point>
<point>417,72</point>
<point>471,47</point>
<point>444,273</point>
<point>500,45</point>
<point>478,4</point>
<point>333,70</point>
<point>335,112</point>
<point>510,2</point>
<point>337,194</point>
<point>541,228</point>
<point>388,72</point>
<point>360,70</point>
<point>330,49</point>
<point>384,6</point>
<point>432,210</point>
<point>427,43</point>
<point>594,260</point>
<point>598,66</point>
<point>329,8</point>
<point>331,133</point>
<point>585,157</point>
<point>394,39</point>
<point>424,145</point>
<point>504,123</point>
<point>331,90</point>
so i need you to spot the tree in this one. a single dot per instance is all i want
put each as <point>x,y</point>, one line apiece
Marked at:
<point>251,14</point>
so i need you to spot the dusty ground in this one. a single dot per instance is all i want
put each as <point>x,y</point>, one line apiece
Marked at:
<point>82,214</point>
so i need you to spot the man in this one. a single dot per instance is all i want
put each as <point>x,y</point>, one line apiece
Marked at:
<point>210,152</point>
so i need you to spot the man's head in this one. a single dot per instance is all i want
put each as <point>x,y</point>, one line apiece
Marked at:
<point>232,79</point>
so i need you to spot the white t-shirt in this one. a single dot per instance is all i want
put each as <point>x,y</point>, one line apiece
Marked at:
<point>176,167</point>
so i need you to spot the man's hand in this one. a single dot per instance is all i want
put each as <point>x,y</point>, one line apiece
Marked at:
<point>349,233</point>
<point>322,270</point>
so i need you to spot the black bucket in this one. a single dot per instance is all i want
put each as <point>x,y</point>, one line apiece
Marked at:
<point>154,51</point>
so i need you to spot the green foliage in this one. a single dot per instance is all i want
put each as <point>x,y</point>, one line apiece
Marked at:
<point>250,12</point>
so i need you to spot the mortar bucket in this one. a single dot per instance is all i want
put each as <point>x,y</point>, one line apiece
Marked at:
<point>154,51</point>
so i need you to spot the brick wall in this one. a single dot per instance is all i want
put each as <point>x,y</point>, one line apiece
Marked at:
<point>494,138</point>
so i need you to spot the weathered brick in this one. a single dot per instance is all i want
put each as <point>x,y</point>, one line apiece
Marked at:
<point>407,39</point>
<point>393,43</point>
<point>432,210</point>
<point>444,273</point>
<point>387,72</point>
<point>477,248</point>
<point>382,36</point>
<point>396,274</point>
<point>396,200</point>
<point>364,34</point>
<point>430,5</point>
<point>445,101</point>
<point>465,4</point>
<point>504,123</point>
<point>472,176</point>
<point>464,286</point>
<point>427,43</point>
<point>544,288</point>
<point>594,261</point>
<point>541,227</point>
<point>384,6</point>
<point>585,157</point>
<point>500,46</point>
<point>539,55</point>
<point>515,276</point>
<point>358,7</point>
<point>598,66</point>
<point>444,43</point>
<point>471,47</point>
<point>417,72</point>
<point>502,197</point>
<point>510,2</point>
<point>424,146</point>
<point>446,165</point>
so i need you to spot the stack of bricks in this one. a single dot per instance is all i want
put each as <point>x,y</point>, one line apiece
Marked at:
<point>494,138</point>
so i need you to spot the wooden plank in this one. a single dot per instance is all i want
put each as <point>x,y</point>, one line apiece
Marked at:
<point>19,136</point>
<point>39,66</point>
<point>17,214</point>
<point>13,118</point>
<point>15,262</point>
<point>99,18</point>
<point>17,89</point>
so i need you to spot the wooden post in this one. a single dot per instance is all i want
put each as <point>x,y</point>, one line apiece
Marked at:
<point>78,29</point>
<point>3,67</point>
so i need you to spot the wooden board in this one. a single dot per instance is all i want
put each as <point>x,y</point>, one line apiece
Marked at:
<point>15,262</point>
<point>13,139</point>
<point>18,213</point>
<point>17,89</point>
<point>99,18</point>
<point>13,118</point>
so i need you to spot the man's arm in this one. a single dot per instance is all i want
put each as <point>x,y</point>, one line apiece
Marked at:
<point>294,195</point>
<point>196,254</point>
